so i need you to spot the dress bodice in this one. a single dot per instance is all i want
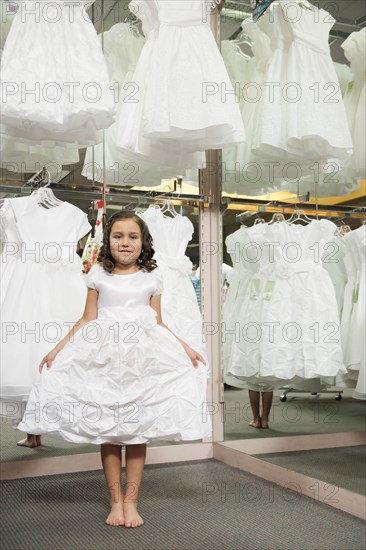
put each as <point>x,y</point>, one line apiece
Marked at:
<point>170,235</point>
<point>123,291</point>
<point>183,12</point>
<point>287,248</point>
<point>44,235</point>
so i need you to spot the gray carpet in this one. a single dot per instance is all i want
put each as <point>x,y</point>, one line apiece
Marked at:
<point>343,467</point>
<point>185,507</point>
<point>301,414</point>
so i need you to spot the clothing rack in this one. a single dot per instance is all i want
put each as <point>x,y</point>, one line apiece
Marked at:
<point>317,211</point>
<point>113,196</point>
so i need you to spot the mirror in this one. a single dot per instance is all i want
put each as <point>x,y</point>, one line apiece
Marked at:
<point>78,176</point>
<point>265,184</point>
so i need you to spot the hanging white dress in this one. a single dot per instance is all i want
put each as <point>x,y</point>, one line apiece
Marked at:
<point>303,115</point>
<point>129,137</point>
<point>180,310</point>
<point>190,96</point>
<point>354,313</point>
<point>172,122</point>
<point>243,256</point>
<point>42,289</point>
<point>289,317</point>
<point>51,92</point>
<point>355,99</point>
<point>123,379</point>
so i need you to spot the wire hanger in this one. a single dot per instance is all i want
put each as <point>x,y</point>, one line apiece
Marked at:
<point>169,208</point>
<point>43,194</point>
<point>299,216</point>
<point>276,218</point>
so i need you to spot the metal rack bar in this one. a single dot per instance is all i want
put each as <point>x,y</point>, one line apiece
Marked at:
<point>350,212</point>
<point>114,196</point>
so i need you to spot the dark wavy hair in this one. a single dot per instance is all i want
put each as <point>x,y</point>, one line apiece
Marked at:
<point>145,260</point>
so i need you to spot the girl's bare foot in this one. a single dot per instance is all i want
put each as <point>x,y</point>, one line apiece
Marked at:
<point>116,516</point>
<point>30,441</point>
<point>132,517</point>
<point>264,422</point>
<point>256,423</point>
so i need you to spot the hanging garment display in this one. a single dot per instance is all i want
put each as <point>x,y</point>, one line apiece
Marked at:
<point>303,115</point>
<point>355,99</point>
<point>105,161</point>
<point>51,93</point>
<point>24,158</point>
<point>129,136</point>
<point>180,79</point>
<point>354,313</point>
<point>180,310</point>
<point>289,323</point>
<point>42,291</point>
<point>125,388</point>
<point>245,265</point>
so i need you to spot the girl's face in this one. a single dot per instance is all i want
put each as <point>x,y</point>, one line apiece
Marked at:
<point>125,241</point>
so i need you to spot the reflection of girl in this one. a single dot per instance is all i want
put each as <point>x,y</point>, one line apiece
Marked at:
<point>123,378</point>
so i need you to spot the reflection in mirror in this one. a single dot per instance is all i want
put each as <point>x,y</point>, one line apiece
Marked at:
<point>83,175</point>
<point>296,276</point>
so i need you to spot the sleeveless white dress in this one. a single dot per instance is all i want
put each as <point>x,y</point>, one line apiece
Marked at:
<point>303,115</point>
<point>52,94</point>
<point>123,379</point>
<point>42,290</point>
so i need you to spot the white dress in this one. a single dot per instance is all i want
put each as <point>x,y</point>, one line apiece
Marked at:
<point>123,379</point>
<point>180,101</point>
<point>354,313</point>
<point>289,317</point>
<point>170,123</point>
<point>355,99</point>
<point>180,309</point>
<point>303,115</point>
<point>49,52</point>
<point>240,247</point>
<point>42,289</point>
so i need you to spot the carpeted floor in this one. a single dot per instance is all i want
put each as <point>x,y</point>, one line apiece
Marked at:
<point>195,506</point>
<point>301,414</point>
<point>342,467</point>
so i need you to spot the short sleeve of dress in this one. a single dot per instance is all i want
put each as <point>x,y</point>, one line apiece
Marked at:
<point>158,290</point>
<point>91,280</point>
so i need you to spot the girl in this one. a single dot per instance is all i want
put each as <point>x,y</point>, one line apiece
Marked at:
<point>121,377</point>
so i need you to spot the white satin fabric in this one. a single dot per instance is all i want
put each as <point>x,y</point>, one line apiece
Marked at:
<point>123,379</point>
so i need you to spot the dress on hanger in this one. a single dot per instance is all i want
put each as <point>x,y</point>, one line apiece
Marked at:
<point>129,135</point>
<point>123,379</point>
<point>355,99</point>
<point>172,122</point>
<point>52,93</point>
<point>303,116</point>
<point>289,316</point>
<point>180,310</point>
<point>42,290</point>
<point>353,315</point>
<point>180,103</point>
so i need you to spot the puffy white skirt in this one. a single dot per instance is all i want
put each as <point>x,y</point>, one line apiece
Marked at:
<point>122,380</point>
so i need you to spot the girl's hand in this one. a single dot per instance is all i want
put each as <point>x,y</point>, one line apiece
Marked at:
<point>194,356</point>
<point>48,360</point>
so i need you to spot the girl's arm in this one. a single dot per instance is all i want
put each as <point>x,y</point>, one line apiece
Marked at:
<point>90,314</point>
<point>155,303</point>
